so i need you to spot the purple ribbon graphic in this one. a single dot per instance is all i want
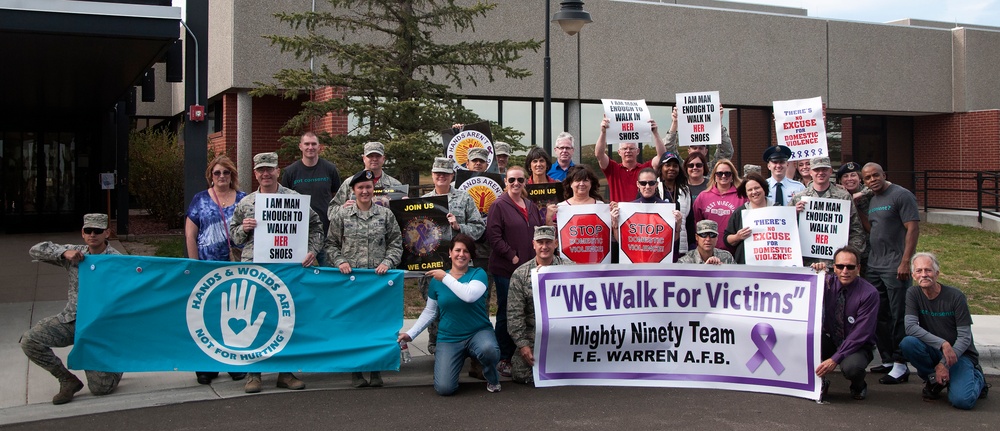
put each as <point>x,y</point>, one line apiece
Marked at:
<point>764,348</point>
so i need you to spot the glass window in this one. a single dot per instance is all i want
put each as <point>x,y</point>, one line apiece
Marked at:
<point>486,109</point>
<point>517,115</point>
<point>558,121</point>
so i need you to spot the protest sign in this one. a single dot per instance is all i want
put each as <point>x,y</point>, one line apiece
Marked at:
<point>629,121</point>
<point>699,118</point>
<point>282,233</point>
<point>585,233</point>
<point>162,314</point>
<point>824,226</point>
<point>647,233</point>
<point>800,127</point>
<point>698,326</point>
<point>774,238</point>
<point>458,142</point>
<point>392,192</point>
<point>423,222</point>
<point>544,195</point>
<point>483,188</point>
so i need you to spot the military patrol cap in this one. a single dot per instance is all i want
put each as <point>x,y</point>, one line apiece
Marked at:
<point>819,162</point>
<point>95,220</point>
<point>502,149</point>
<point>777,153</point>
<point>479,153</point>
<point>265,160</point>
<point>848,167</point>
<point>750,169</point>
<point>545,232</point>
<point>361,177</point>
<point>443,165</point>
<point>374,147</point>
<point>707,226</point>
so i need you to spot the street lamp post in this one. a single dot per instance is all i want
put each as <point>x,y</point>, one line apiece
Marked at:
<point>571,18</point>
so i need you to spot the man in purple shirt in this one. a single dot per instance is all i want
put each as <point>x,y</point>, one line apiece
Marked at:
<point>850,311</point>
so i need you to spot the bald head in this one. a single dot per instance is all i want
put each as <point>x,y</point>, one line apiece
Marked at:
<point>874,177</point>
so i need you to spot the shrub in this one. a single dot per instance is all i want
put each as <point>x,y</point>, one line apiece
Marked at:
<point>156,164</point>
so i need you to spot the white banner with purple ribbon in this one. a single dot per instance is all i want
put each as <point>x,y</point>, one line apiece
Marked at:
<point>700,326</point>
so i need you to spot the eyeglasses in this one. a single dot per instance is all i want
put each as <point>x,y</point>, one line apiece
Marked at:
<point>264,169</point>
<point>564,148</point>
<point>708,235</point>
<point>515,179</point>
<point>221,173</point>
<point>93,231</point>
<point>696,165</point>
<point>647,183</point>
<point>848,267</point>
<point>628,149</point>
<point>721,174</point>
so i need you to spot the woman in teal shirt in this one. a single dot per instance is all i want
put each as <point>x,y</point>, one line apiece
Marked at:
<point>459,295</point>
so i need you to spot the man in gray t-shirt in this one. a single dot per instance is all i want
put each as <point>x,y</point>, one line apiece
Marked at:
<point>895,227</point>
<point>939,337</point>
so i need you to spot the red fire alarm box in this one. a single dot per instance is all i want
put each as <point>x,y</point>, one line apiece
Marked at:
<point>197,113</point>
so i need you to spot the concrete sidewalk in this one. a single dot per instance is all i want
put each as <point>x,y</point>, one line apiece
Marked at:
<point>34,291</point>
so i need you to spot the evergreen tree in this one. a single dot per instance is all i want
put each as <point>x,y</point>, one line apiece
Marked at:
<point>395,74</point>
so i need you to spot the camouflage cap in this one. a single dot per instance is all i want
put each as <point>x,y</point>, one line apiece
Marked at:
<point>374,147</point>
<point>502,149</point>
<point>707,226</point>
<point>819,162</point>
<point>479,153</point>
<point>443,165</point>
<point>545,232</point>
<point>265,160</point>
<point>95,220</point>
<point>750,169</point>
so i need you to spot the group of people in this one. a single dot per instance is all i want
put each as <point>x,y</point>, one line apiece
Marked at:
<point>927,325</point>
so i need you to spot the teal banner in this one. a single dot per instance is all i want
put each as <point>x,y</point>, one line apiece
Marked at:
<point>160,314</point>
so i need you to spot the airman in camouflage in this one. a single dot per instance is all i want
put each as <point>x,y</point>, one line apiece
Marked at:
<point>822,171</point>
<point>374,158</point>
<point>706,231</point>
<point>241,230</point>
<point>59,330</point>
<point>521,306</point>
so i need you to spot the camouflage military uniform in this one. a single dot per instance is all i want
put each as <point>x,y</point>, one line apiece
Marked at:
<point>245,210</point>
<point>857,236</point>
<point>521,316</point>
<point>344,193</point>
<point>59,330</point>
<point>694,257</point>
<point>363,239</point>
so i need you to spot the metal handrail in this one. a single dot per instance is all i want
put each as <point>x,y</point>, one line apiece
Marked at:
<point>987,187</point>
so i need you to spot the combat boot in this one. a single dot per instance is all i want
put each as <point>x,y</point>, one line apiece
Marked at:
<point>289,381</point>
<point>68,385</point>
<point>252,385</point>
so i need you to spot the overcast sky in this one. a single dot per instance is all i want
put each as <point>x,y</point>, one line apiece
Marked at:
<point>982,12</point>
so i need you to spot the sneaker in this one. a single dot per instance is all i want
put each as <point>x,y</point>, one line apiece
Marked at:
<point>493,388</point>
<point>252,385</point>
<point>289,381</point>
<point>70,385</point>
<point>503,367</point>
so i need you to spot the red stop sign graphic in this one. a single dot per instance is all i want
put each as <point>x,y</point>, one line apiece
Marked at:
<point>646,238</point>
<point>585,239</point>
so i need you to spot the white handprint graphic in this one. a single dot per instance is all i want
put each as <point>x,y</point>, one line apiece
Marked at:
<point>237,329</point>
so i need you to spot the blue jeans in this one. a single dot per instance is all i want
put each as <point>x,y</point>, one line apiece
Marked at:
<point>889,330</point>
<point>966,380</point>
<point>450,357</point>
<point>506,343</point>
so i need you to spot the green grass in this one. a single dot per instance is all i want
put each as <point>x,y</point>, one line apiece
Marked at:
<point>969,261</point>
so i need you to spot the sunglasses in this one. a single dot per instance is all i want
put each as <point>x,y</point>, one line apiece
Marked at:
<point>708,235</point>
<point>647,183</point>
<point>695,165</point>
<point>93,231</point>
<point>221,173</point>
<point>722,174</point>
<point>512,180</point>
<point>848,267</point>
